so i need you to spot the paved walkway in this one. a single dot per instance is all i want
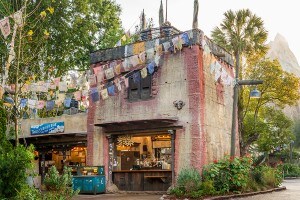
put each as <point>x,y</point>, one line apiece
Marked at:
<point>291,193</point>
<point>119,197</point>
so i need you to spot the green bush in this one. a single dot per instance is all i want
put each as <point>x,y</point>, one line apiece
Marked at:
<point>207,188</point>
<point>267,176</point>
<point>291,170</point>
<point>28,193</point>
<point>14,164</point>
<point>188,183</point>
<point>226,176</point>
<point>59,186</point>
<point>229,174</point>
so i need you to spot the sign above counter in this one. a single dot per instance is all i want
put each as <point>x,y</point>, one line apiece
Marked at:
<point>47,128</point>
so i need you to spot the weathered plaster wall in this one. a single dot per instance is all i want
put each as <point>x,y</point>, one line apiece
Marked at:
<point>169,84</point>
<point>205,118</point>
<point>218,110</point>
<point>73,123</point>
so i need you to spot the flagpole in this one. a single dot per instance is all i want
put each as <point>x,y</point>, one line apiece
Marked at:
<point>166,10</point>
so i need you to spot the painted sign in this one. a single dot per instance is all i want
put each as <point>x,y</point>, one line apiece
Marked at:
<point>56,127</point>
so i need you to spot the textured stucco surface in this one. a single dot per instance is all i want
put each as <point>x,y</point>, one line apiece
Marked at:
<point>218,111</point>
<point>73,123</point>
<point>205,118</point>
<point>203,125</point>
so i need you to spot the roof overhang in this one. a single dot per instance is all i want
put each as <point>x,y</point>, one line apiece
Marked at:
<point>139,125</point>
<point>56,141</point>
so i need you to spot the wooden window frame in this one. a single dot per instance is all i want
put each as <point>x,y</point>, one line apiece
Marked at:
<point>140,91</point>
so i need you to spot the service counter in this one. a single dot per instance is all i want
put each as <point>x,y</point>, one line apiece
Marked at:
<point>143,180</point>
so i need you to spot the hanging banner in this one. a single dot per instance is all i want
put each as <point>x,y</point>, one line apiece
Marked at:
<point>56,127</point>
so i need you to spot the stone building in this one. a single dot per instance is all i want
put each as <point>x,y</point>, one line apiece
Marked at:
<point>178,116</point>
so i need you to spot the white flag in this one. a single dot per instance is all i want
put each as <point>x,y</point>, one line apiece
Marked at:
<point>5,27</point>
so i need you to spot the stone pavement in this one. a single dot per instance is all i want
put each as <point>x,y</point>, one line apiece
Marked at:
<point>119,197</point>
<point>292,192</point>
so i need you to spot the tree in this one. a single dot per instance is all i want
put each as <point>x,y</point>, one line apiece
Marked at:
<point>279,89</point>
<point>240,33</point>
<point>55,36</point>
<point>297,133</point>
<point>78,28</point>
<point>14,162</point>
<point>274,128</point>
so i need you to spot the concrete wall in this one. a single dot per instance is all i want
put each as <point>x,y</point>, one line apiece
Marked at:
<point>73,123</point>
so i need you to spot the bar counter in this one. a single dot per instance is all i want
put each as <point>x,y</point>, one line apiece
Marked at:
<point>143,180</point>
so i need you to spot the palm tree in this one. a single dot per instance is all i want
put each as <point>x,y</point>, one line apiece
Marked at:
<point>242,34</point>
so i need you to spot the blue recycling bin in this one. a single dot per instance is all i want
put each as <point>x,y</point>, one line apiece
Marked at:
<point>90,180</point>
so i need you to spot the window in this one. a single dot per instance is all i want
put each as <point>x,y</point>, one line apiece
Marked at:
<point>139,90</point>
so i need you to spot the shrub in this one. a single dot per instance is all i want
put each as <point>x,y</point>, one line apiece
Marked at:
<point>267,176</point>
<point>28,193</point>
<point>188,183</point>
<point>59,186</point>
<point>14,162</point>
<point>207,188</point>
<point>291,170</point>
<point>229,174</point>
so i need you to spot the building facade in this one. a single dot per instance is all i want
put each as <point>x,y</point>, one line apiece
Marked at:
<point>177,115</point>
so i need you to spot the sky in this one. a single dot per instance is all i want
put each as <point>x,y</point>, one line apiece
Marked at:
<point>278,16</point>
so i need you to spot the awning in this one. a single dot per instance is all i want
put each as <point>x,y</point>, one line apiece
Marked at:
<point>56,141</point>
<point>139,125</point>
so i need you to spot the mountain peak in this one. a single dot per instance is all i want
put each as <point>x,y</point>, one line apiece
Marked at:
<point>279,49</point>
<point>280,38</point>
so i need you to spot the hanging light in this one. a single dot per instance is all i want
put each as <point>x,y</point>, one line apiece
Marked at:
<point>255,93</point>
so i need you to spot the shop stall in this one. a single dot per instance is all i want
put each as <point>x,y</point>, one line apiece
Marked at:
<point>142,162</point>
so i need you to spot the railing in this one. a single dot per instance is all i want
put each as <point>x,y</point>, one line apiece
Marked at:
<point>160,32</point>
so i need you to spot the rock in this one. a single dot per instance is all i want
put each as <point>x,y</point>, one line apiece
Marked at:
<point>169,189</point>
<point>112,189</point>
<point>279,49</point>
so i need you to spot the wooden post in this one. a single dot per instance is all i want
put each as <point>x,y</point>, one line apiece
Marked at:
<point>43,167</point>
<point>110,158</point>
<point>172,133</point>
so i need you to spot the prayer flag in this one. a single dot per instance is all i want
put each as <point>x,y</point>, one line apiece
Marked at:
<point>150,67</point>
<point>104,94</point>
<point>77,95</point>
<point>67,102</point>
<point>111,90</point>
<point>136,77</point>
<point>134,60</point>
<point>32,103</point>
<point>40,104</point>
<point>109,73</point>
<point>23,103</point>
<point>5,27</point>
<point>142,57</point>
<point>118,69</point>
<point>92,80</point>
<point>18,18</point>
<point>144,72</point>
<point>50,105</point>
<point>63,87</point>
